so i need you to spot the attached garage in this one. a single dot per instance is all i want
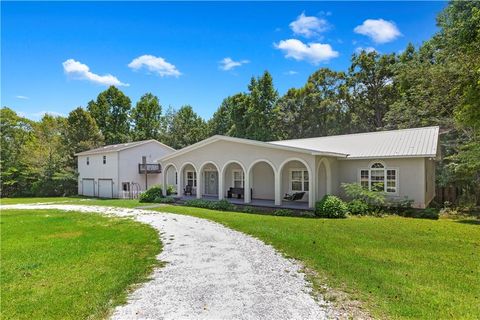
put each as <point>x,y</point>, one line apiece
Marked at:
<point>88,187</point>
<point>105,188</point>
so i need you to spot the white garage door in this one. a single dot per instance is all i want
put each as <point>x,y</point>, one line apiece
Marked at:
<point>105,188</point>
<point>88,187</point>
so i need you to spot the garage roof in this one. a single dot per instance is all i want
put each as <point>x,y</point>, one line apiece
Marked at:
<point>119,147</point>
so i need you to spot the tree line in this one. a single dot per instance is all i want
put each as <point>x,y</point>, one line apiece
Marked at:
<point>437,83</point>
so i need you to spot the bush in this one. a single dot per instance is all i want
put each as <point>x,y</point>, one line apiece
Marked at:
<point>170,190</point>
<point>358,207</point>
<point>355,191</point>
<point>164,200</point>
<point>247,209</point>
<point>151,194</point>
<point>222,205</point>
<point>283,213</point>
<point>331,207</point>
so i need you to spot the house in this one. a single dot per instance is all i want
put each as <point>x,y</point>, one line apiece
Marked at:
<point>399,162</point>
<point>118,171</point>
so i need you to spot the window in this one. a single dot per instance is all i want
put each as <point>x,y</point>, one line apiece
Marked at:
<point>238,178</point>
<point>299,180</point>
<point>379,178</point>
<point>126,186</point>
<point>192,178</point>
<point>104,159</point>
<point>88,161</point>
<point>144,159</point>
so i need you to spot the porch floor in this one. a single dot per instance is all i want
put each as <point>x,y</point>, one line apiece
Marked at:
<point>295,205</point>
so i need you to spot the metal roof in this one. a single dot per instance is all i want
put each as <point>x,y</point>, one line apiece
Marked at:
<point>118,147</point>
<point>415,142</point>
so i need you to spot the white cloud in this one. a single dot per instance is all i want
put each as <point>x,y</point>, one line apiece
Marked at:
<point>154,64</point>
<point>79,70</point>
<point>22,97</point>
<point>311,52</point>
<point>359,50</point>
<point>380,31</point>
<point>291,73</point>
<point>308,26</point>
<point>228,64</point>
<point>39,115</point>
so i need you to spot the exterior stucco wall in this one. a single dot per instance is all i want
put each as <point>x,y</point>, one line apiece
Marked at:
<point>130,158</point>
<point>97,170</point>
<point>411,176</point>
<point>222,152</point>
<point>429,180</point>
<point>262,180</point>
<point>121,166</point>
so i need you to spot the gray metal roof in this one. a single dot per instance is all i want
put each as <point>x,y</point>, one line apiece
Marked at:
<point>115,147</point>
<point>415,142</point>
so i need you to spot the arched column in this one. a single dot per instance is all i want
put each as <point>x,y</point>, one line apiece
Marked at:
<point>250,179</point>
<point>166,169</point>
<point>181,177</point>
<point>224,180</point>
<point>311,188</point>
<point>201,181</point>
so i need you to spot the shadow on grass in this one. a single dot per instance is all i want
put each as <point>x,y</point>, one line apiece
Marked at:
<point>468,221</point>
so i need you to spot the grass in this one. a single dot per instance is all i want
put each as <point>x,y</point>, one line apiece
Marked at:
<point>399,267</point>
<point>59,265</point>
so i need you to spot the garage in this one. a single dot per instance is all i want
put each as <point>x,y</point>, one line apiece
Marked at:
<point>88,187</point>
<point>105,188</point>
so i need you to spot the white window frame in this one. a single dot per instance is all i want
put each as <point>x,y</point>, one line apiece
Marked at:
<point>194,175</point>
<point>302,180</point>
<point>242,180</point>
<point>385,169</point>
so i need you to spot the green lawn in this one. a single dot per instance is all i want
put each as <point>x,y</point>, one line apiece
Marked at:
<point>399,267</point>
<point>59,265</point>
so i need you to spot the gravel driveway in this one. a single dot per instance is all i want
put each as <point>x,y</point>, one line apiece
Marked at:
<point>212,272</point>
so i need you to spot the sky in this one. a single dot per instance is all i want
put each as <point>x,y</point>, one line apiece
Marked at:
<point>56,56</point>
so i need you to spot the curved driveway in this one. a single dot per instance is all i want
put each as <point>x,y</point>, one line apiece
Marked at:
<point>212,272</point>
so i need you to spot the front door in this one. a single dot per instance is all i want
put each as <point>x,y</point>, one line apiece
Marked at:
<point>211,182</point>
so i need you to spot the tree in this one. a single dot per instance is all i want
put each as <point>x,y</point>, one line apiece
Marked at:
<point>146,117</point>
<point>221,121</point>
<point>81,133</point>
<point>372,89</point>
<point>111,112</point>
<point>262,98</point>
<point>186,128</point>
<point>16,134</point>
<point>240,103</point>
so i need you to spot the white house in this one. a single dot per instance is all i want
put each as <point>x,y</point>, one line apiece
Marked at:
<point>118,171</point>
<point>399,162</point>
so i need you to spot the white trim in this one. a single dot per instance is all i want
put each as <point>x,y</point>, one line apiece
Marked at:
<point>385,168</point>
<point>133,145</point>
<point>242,180</point>
<point>207,162</point>
<point>302,180</point>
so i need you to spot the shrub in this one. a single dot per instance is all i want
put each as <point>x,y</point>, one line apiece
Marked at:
<point>358,207</point>
<point>222,205</point>
<point>247,209</point>
<point>331,207</point>
<point>355,191</point>
<point>170,190</point>
<point>283,212</point>
<point>164,200</point>
<point>430,213</point>
<point>151,194</point>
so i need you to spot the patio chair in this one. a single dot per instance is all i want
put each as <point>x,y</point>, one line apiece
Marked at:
<point>187,190</point>
<point>293,196</point>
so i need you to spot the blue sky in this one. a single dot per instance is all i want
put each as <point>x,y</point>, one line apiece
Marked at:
<point>57,56</point>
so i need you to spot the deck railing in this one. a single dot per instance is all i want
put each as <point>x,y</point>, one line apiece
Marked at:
<point>151,168</point>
